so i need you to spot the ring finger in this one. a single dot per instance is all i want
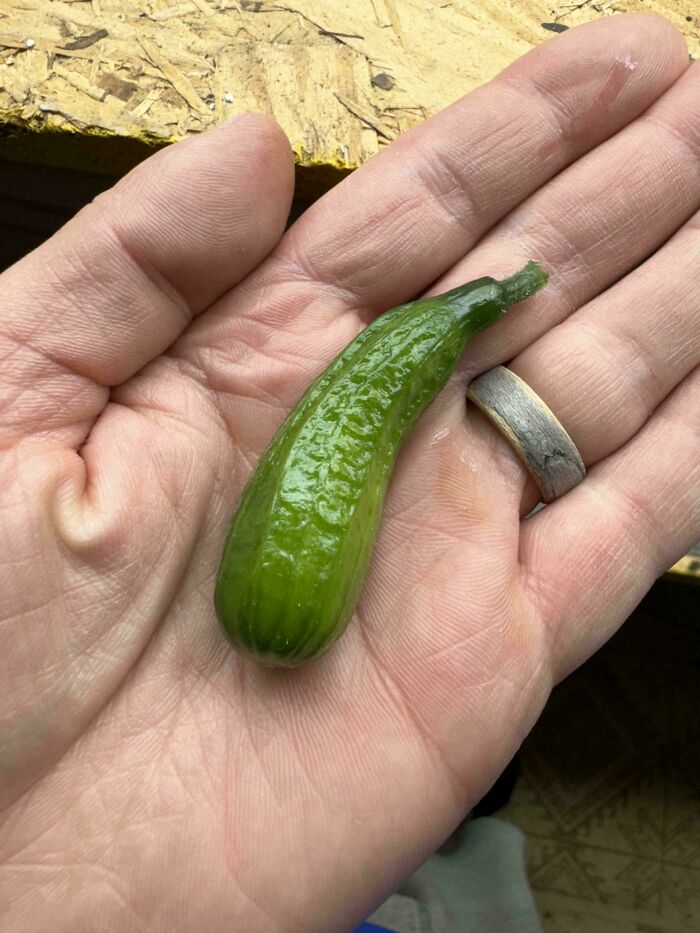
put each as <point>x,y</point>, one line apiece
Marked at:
<point>605,367</point>
<point>612,363</point>
<point>608,366</point>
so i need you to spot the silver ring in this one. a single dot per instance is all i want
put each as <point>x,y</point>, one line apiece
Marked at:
<point>535,433</point>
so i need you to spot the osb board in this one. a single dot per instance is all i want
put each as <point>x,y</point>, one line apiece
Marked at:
<point>609,791</point>
<point>341,76</point>
<point>688,567</point>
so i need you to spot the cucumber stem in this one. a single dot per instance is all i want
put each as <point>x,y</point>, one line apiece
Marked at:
<point>522,284</point>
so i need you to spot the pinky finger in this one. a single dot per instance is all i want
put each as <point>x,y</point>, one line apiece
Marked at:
<point>589,558</point>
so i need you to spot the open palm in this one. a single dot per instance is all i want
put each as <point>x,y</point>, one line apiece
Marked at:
<point>151,779</point>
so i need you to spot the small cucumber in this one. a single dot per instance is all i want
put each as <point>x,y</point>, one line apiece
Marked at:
<point>302,538</point>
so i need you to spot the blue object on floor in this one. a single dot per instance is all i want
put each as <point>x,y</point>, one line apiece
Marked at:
<point>373,928</point>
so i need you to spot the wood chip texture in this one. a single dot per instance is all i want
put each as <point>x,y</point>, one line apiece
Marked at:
<point>158,71</point>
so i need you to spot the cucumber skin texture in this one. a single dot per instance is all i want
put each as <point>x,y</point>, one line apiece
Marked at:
<point>300,543</point>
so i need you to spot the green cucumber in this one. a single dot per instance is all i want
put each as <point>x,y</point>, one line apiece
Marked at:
<point>301,540</point>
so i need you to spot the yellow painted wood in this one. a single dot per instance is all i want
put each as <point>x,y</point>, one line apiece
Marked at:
<point>688,567</point>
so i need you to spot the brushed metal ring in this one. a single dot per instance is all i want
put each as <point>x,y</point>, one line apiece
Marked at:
<point>533,430</point>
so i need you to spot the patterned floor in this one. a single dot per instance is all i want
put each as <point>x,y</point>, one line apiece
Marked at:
<point>609,794</point>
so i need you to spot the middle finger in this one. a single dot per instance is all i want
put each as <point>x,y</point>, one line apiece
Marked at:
<point>594,222</point>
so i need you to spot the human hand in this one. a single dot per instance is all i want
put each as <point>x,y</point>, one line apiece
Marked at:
<point>150,778</point>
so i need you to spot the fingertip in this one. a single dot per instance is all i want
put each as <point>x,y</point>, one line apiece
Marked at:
<point>643,33</point>
<point>622,63</point>
<point>655,23</point>
<point>258,146</point>
<point>258,137</point>
<point>263,132</point>
<point>660,36</point>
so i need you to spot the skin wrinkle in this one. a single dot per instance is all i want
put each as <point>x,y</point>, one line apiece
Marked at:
<point>297,743</point>
<point>59,424</point>
<point>44,603</point>
<point>8,854</point>
<point>184,382</point>
<point>690,146</point>
<point>184,427</point>
<point>540,234</point>
<point>228,792</point>
<point>116,689</point>
<point>252,394</point>
<point>248,698</point>
<point>166,756</point>
<point>160,282</point>
<point>405,596</point>
<point>113,882</point>
<point>206,388</point>
<point>281,363</point>
<point>93,640</point>
<point>447,186</point>
<point>82,425</point>
<point>542,231</point>
<point>526,89</point>
<point>85,869</point>
<point>89,287</point>
<point>281,360</point>
<point>46,685</point>
<point>72,266</point>
<point>399,596</point>
<point>54,682</point>
<point>297,268</point>
<point>543,672</point>
<point>148,727</point>
<point>396,695</point>
<point>251,745</point>
<point>265,301</point>
<point>633,506</point>
<point>542,606</point>
<point>539,598</point>
<point>66,367</point>
<point>651,384</point>
<point>210,768</point>
<point>260,910</point>
<point>455,648</point>
<point>122,898</point>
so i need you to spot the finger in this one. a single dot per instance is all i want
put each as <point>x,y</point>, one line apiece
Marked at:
<point>391,228</point>
<point>415,209</point>
<point>605,369</point>
<point>589,558</point>
<point>611,363</point>
<point>596,221</point>
<point>116,286</point>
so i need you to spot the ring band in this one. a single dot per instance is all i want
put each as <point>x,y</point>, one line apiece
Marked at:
<point>535,433</point>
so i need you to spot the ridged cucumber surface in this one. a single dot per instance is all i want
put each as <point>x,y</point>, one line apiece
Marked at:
<point>302,538</point>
